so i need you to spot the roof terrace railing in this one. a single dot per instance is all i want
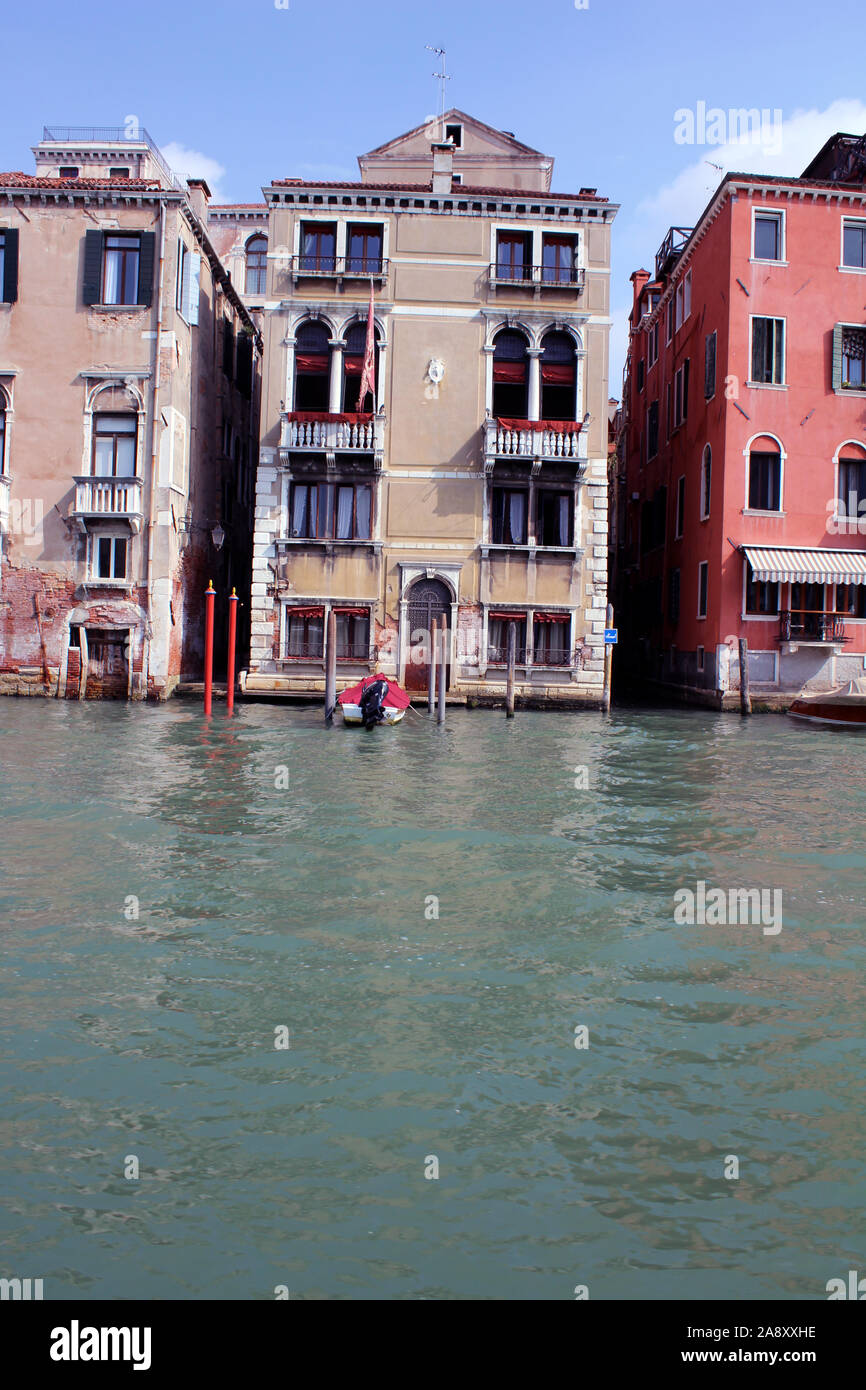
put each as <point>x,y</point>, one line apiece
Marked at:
<point>121,135</point>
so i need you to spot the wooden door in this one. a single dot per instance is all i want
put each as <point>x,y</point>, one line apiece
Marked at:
<point>429,600</point>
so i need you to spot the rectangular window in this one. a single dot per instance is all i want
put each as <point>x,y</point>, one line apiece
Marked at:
<point>851,600</point>
<point>767,245</point>
<point>331,511</point>
<point>559,257</point>
<point>710,366</point>
<point>641,374</point>
<point>550,640</point>
<point>555,515</point>
<point>809,611</point>
<point>699,655</point>
<point>681,394</point>
<point>120,259</point>
<point>513,256</point>
<point>353,634</point>
<point>114,441</point>
<point>454,133</point>
<point>305,633</point>
<point>762,595</point>
<point>69,171</point>
<point>652,430</point>
<point>508,519</point>
<point>703,581</point>
<point>853,355</point>
<point>109,561</point>
<point>765,482</point>
<point>364,249</point>
<point>653,345</point>
<point>183,269</point>
<point>670,318</point>
<point>681,507</point>
<point>768,351</point>
<point>683,299</point>
<point>318,248</point>
<point>669,409</point>
<point>497,637</point>
<point>854,244</point>
<point>851,491</point>
<point>674,597</point>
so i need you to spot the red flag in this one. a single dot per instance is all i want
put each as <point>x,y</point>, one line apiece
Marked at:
<point>368,375</point>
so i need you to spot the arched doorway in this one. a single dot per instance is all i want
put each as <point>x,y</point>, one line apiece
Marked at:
<point>428,600</point>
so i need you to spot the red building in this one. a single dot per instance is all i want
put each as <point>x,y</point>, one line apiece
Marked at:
<point>739,490</point>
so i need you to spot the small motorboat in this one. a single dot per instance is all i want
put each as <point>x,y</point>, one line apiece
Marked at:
<point>846,705</point>
<point>374,700</point>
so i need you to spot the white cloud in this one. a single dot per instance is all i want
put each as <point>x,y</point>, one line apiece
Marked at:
<point>187,163</point>
<point>792,144</point>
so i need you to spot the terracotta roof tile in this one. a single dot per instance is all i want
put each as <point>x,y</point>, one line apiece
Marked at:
<point>16,179</point>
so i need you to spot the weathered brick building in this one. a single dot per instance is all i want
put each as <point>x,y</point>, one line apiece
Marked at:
<point>129,377</point>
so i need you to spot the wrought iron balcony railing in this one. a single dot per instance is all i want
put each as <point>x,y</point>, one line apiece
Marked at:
<point>105,498</point>
<point>800,624</point>
<point>546,277</point>
<point>339,267</point>
<point>669,252</point>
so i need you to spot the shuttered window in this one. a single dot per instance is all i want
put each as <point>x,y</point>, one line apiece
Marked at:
<point>118,268</point>
<point>710,366</point>
<point>9,264</point>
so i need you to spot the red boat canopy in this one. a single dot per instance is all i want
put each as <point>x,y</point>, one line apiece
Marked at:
<point>395,699</point>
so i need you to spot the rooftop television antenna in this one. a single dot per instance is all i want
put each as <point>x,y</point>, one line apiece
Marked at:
<point>442,77</point>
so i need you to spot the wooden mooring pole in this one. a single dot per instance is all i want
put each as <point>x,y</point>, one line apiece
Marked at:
<point>512,662</point>
<point>230,660</point>
<point>608,664</point>
<point>431,668</point>
<point>209,600</point>
<point>745,696</point>
<point>443,667</point>
<point>331,669</point>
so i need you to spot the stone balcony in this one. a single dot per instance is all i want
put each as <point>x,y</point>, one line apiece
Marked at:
<point>329,434</point>
<point>536,441</point>
<point>108,499</point>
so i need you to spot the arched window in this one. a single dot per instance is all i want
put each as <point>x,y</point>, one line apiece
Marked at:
<point>765,476</point>
<point>510,375</point>
<point>353,367</point>
<point>558,377</point>
<point>257,265</point>
<point>706,481</point>
<point>312,366</point>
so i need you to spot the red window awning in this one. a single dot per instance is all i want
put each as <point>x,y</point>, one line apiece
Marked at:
<point>306,612</point>
<point>509,371</point>
<point>507,617</point>
<point>312,362</point>
<point>353,366</point>
<point>558,373</point>
<point>554,426</point>
<point>551,617</point>
<point>352,612</point>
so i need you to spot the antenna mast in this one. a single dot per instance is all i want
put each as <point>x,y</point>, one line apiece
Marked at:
<point>442,77</point>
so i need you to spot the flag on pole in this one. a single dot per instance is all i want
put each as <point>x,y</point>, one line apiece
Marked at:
<point>368,375</point>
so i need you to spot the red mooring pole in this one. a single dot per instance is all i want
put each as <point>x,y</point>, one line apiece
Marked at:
<point>230,669</point>
<point>209,597</point>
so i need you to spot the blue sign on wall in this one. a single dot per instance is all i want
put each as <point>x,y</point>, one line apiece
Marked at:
<point>610,636</point>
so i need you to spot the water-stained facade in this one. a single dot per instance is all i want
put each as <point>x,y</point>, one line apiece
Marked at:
<point>472,482</point>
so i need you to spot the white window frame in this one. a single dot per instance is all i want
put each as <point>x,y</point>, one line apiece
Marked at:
<point>758,617</point>
<point>763,210</point>
<point>652,345</point>
<point>681,396</point>
<point>770,385</point>
<point>683,301</point>
<point>703,564</point>
<point>849,269</point>
<point>343,220</point>
<point>705,514</point>
<point>93,553</point>
<point>756,511</point>
<point>680,511</point>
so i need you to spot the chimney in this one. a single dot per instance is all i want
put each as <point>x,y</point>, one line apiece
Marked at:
<point>639,279</point>
<point>443,166</point>
<point>199,197</point>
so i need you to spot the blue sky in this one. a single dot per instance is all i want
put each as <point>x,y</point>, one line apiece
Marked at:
<point>246,92</point>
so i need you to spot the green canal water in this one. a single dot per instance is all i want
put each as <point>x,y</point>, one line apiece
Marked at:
<point>551,848</point>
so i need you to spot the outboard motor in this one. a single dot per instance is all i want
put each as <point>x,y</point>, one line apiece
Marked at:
<point>373,704</point>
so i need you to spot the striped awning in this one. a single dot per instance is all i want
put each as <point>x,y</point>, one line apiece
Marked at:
<point>784,565</point>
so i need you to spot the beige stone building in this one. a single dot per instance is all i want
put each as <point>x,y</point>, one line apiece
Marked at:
<point>474,483</point>
<point>129,376</point>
